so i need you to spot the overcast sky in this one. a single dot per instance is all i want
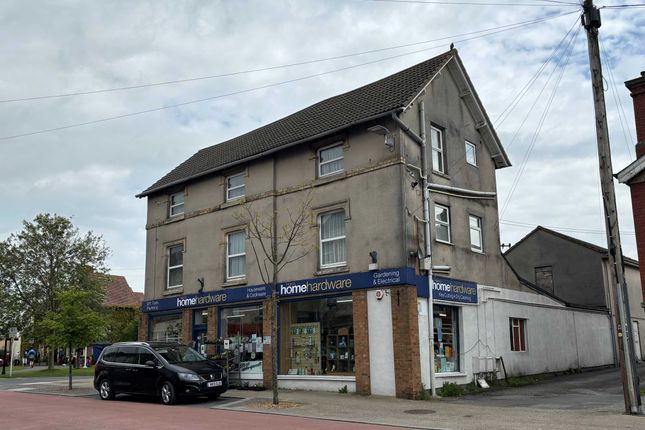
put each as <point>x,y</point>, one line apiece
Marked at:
<point>92,173</point>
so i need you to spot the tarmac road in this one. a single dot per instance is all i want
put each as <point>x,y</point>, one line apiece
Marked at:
<point>587,390</point>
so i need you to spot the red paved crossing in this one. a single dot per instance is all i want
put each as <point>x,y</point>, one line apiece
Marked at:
<point>39,411</point>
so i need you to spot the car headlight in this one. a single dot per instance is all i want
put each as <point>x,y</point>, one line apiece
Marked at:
<point>191,377</point>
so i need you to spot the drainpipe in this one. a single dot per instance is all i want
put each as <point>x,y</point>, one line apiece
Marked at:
<point>421,140</point>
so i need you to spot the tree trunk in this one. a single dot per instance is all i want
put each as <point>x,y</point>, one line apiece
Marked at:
<point>50,358</point>
<point>69,366</point>
<point>274,345</point>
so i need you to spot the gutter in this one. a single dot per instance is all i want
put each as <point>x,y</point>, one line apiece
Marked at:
<point>263,154</point>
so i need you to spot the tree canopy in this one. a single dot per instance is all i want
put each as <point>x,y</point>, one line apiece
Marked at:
<point>47,257</point>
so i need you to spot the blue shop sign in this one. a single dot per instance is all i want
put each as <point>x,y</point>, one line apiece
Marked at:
<point>349,282</point>
<point>229,295</point>
<point>449,290</point>
<point>443,289</point>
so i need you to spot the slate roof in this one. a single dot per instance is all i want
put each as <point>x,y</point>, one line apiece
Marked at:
<point>591,246</point>
<point>119,293</point>
<point>371,101</point>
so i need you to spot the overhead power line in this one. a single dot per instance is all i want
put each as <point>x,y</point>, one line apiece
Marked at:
<point>516,100</point>
<point>471,3</point>
<point>558,228</point>
<point>538,129</point>
<point>65,127</point>
<point>623,6</point>
<point>276,67</point>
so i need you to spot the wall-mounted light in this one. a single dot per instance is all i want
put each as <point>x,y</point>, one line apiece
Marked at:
<point>374,257</point>
<point>201,284</point>
<point>387,136</point>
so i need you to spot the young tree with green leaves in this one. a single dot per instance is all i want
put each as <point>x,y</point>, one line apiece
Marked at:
<point>276,243</point>
<point>75,323</point>
<point>47,257</point>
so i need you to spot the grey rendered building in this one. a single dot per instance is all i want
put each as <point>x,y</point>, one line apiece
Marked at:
<point>341,321</point>
<point>576,272</point>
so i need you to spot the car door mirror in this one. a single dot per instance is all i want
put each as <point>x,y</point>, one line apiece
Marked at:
<point>150,363</point>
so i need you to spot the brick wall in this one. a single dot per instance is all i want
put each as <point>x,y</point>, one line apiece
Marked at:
<point>186,326</point>
<point>144,320</point>
<point>405,331</point>
<point>267,360</point>
<point>211,330</point>
<point>361,342</point>
<point>637,90</point>
<point>638,208</point>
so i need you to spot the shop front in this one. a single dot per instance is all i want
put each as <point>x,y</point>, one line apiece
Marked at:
<point>326,341</point>
<point>454,313</point>
<point>240,328</point>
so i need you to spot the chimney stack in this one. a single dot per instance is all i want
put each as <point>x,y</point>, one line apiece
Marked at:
<point>637,90</point>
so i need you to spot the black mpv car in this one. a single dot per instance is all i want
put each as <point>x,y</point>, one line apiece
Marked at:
<point>168,370</point>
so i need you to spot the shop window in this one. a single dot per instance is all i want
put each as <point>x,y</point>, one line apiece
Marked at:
<point>235,255</point>
<point>242,330</point>
<point>330,160</point>
<point>442,223</point>
<point>446,338</point>
<point>175,273</point>
<point>518,334</point>
<point>167,329</point>
<point>332,239</point>
<point>317,337</point>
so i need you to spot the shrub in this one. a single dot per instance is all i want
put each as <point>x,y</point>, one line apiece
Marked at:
<point>343,390</point>
<point>424,394</point>
<point>450,389</point>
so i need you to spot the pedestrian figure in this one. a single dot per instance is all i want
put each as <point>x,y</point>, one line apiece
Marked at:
<point>31,356</point>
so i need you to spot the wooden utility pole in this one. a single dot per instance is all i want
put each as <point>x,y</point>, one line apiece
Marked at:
<point>622,317</point>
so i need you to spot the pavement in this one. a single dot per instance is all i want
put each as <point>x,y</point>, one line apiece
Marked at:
<point>591,400</point>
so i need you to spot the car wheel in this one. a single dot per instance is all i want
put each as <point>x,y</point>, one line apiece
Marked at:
<point>168,394</point>
<point>105,390</point>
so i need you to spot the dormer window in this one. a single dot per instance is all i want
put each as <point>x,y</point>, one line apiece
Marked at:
<point>235,186</point>
<point>176,204</point>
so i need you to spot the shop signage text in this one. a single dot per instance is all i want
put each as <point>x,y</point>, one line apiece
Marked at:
<point>229,295</point>
<point>349,282</point>
<point>443,289</point>
<point>452,290</point>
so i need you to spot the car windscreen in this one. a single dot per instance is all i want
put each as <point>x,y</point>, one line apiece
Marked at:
<point>179,354</point>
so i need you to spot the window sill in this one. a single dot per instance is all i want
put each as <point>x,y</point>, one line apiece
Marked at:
<point>331,271</point>
<point>441,174</point>
<point>175,218</point>
<point>343,378</point>
<point>235,202</point>
<point>444,243</point>
<point>173,291</point>
<point>234,282</point>
<point>330,178</point>
<point>449,374</point>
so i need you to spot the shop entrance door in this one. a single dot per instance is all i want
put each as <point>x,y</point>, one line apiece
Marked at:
<point>199,337</point>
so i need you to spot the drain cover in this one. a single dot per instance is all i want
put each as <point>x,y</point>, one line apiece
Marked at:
<point>419,411</point>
